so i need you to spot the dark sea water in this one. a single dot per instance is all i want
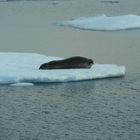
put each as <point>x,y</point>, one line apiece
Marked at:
<point>106,109</point>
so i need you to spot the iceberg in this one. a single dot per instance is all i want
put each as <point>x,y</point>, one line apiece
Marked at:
<point>104,23</point>
<point>22,69</point>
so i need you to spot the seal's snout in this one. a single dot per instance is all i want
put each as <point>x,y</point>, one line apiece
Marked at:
<point>91,62</point>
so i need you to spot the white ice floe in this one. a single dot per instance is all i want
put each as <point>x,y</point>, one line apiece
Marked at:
<point>20,69</point>
<point>104,23</point>
<point>22,84</point>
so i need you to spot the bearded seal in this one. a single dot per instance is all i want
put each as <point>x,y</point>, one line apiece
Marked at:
<point>76,62</point>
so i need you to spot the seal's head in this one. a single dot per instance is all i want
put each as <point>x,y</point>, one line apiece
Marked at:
<point>90,62</point>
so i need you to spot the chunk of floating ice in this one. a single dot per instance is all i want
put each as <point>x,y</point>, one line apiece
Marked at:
<point>22,84</point>
<point>104,23</point>
<point>23,69</point>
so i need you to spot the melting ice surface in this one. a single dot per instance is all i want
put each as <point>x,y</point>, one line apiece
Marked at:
<point>22,69</point>
<point>105,23</point>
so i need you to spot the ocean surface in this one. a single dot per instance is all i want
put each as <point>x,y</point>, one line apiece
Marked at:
<point>102,109</point>
<point>107,109</point>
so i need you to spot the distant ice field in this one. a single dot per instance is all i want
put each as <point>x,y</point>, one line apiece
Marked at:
<point>104,23</point>
<point>22,69</point>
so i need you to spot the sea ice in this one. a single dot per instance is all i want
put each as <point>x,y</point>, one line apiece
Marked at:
<point>22,84</point>
<point>104,23</point>
<point>20,69</point>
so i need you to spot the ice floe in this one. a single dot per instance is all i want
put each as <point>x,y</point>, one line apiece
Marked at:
<point>22,69</point>
<point>104,23</point>
<point>22,84</point>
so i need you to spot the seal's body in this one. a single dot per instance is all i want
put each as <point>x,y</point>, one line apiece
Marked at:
<point>76,62</point>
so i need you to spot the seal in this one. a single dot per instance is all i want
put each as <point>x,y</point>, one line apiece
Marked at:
<point>76,62</point>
